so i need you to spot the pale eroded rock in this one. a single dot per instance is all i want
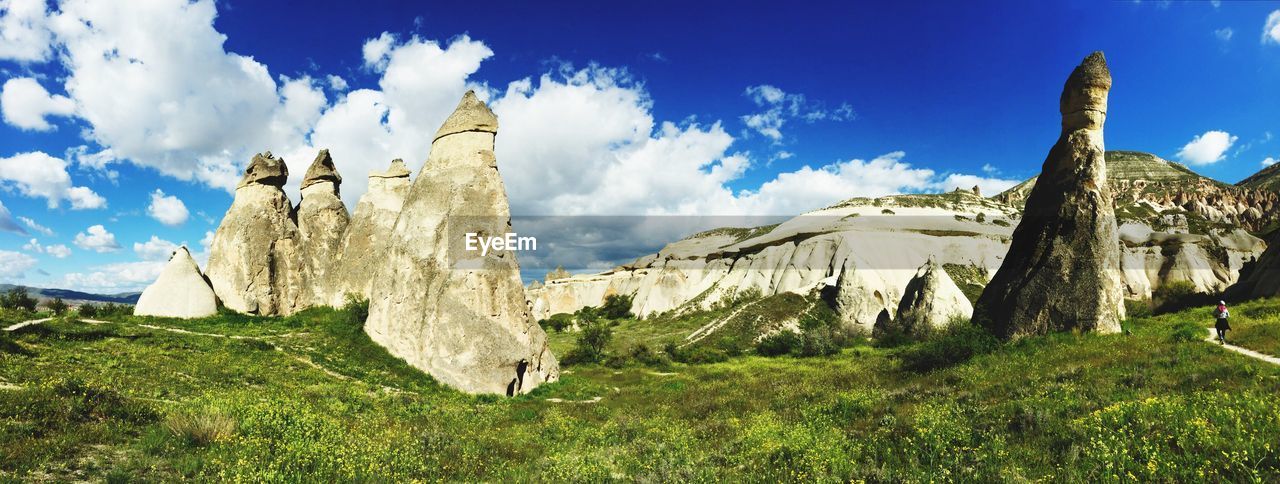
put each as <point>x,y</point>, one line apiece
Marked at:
<point>181,291</point>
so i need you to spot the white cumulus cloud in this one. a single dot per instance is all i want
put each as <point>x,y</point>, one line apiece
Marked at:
<point>155,249</point>
<point>40,229</point>
<point>36,174</point>
<point>7,223</point>
<point>781,106</point>
<point>1208,148</point>
<point>1271,30</point>
<point>14,264</point>
<point>97,239</point>
<point>117,277</point>
<point>24,32</point>
<point>25,104</point>
<point>167,209</point>
<point>59,250</point>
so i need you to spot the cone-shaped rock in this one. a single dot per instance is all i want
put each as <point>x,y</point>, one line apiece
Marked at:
<point>180,291</point>
<point>454,313</point>
<point>255,260</point>
<point>931,301</point>
<point>364,245</point>
<point>322,220</point>
<point>1062,271</point>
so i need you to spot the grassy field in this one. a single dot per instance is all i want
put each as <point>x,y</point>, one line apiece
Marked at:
<point>309,397</point>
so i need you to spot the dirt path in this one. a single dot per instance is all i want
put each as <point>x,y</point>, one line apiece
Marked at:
<point>1213,338</point>
<point>711,327</point>
<point>24,324</point>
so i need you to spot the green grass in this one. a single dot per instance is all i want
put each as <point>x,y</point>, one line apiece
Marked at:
<point>122,401</point>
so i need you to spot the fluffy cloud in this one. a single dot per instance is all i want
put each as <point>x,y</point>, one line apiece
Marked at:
<point>1269,161</point>
<point>24,34</point>
<point>156,249</point>
<point>60,251</point>
<point>97,239</point>
<point>1208,148</point>
<point>40,229</point>
<point>37,174</point>
<point>25,103</point>
<point>781,106</point>
<point>123,276</point>
<point>7,223</point>
<point>1271,31</point>
<point>14,264</point>
<point>336,83</point>
<point>167,209</point>
<point>206,108</point>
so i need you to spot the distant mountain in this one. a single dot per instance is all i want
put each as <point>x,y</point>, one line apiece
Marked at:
<point>1267,178</point>
<point>76,296</point>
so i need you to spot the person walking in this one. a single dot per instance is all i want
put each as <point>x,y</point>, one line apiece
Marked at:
<point>1222,313</point>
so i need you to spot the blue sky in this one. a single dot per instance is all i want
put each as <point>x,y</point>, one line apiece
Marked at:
<point>702,108</point>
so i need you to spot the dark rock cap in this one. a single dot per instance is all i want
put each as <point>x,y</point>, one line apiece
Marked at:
<point>265,169</point>
<point>322,169</point>
<point>396,170</point>
<point>470,115</point>
<point>1087,87</point>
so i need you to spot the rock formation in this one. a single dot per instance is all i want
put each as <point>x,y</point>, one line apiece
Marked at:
<point>255,260</point>
<point>458,315</point>
<point>363,246</point>
<point>1062,271</point>
<point>1262,277</point>
<point>931,301</point>
<point>322,221</point>
<point>180,291</point>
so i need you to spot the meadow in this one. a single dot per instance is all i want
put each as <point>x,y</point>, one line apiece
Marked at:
<point>310,398</point>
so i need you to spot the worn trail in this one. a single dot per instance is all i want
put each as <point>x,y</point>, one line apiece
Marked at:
<point>1213,338</point>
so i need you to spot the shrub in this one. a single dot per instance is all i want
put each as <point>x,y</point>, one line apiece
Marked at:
<point>700,354</point>
<point>616,307</point>
<point>1184,331</point>
<point>1137,308</point>
<point>57,305</point>
<point>558,322</point>
<point>641,353</point>
<point>956,344</point>
<point>981,217</point>
<point>1178,295</point>
<point>356,308</point>
<point>780,343</point>
<point>17,298</point>
<point>201,428</point>
<point>591,344</point>
<point>87,310</point>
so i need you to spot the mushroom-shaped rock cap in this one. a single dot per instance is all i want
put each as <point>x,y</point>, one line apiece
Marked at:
<point>470,115</point>
<point>265,169</point>
<point>1086,88</point>
<point>321,169</point>
<point>396,170</point>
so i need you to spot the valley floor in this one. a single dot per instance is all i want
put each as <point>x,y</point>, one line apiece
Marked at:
<point>309,397</point>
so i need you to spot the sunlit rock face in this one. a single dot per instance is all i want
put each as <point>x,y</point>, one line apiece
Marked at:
<point>255,260</point>
<point>1063,270</point>
<point>361,250</point>
<point>459,315</point>
<point>181,291</point>
<point>322,221</point>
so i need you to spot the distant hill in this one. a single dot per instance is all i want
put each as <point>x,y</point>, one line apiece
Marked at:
<point>1124,166</point>
<point>1267,178</point>
<point>76,296</point>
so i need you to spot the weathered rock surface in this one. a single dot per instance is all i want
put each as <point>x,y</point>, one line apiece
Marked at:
<point>1262,278</point>
<point>364,245</point>
<point>931,301</point>
<point>458,315</point>
<point>322,221</point>
<point>181,291</point>
<point>1063,270</point>
<point>255,260</point>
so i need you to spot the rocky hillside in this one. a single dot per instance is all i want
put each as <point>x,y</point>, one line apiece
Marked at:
<point>1159,192</point>
<point>1174,226</point>
<point>1267,179</point>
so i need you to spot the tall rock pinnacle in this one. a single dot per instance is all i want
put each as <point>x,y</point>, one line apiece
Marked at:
<point>255,263</point>
<point>459,314</point>
<point>365,242</point>
<point>1062,271</point>
<point>322,220</point>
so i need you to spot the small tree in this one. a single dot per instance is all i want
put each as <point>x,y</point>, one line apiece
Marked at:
<point>616,307</point>
<point>88,310</point>
<point>57,305</point>
<point>591,344</point>
<point>17,298</point>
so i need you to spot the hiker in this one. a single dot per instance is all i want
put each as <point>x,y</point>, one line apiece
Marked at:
<point>1222,313</point>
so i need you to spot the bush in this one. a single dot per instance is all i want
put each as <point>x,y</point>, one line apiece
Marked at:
<point>57,305</point>
<point>111,309</point>
<point>201,428</point>
<point>1184,331</point>
<point>356,308</point>
<point>1178,295</point>
<point>87,310</point>
<point>557,322</point>
<point>1137,308</point>
<point>616,307</point>
<point>956,344</point>
<point>591,344</point>
<point>780,343</point>
<point>17,298</point>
